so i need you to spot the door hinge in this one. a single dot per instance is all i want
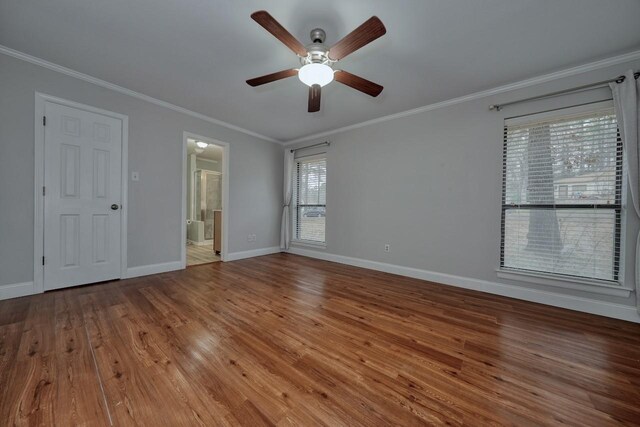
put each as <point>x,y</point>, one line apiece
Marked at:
<point>44,120</point>
<point>42,260</point>
<point>44,190</point>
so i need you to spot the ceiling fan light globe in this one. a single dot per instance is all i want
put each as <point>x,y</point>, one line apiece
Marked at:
<point>316,74</point>
<point>201,144</point>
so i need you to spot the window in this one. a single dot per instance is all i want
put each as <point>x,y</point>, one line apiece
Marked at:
<point>310,199</point>
<point>578,191</point>
<point>562,193</point>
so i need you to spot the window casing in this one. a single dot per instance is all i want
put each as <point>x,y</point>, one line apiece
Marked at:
<point>310,200</point>
<point>562,194</point>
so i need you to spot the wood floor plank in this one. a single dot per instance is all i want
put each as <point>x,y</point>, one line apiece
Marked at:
<point>283,340</point>
<point>201,254</point>
<point>78,396</point>
<point>31,381</point>
<point>10,337</point>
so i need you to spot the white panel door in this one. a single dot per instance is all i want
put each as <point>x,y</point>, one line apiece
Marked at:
<point>82,177</point>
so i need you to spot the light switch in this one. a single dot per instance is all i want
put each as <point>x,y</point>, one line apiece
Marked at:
<point>135,176</point>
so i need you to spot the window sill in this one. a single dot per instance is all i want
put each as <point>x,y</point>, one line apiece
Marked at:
<point>585,285</point>
<point>309,244</point>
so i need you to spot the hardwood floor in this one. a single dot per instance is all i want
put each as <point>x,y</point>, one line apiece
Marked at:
<point>204,254</point>
<point>287,340</point>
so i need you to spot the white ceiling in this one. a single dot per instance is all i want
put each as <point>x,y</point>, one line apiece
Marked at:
<point>197,54</point>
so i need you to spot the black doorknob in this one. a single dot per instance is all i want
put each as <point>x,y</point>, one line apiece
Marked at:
<point>114,207</point>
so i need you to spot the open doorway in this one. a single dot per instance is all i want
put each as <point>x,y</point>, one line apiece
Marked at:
<point>205,173</point>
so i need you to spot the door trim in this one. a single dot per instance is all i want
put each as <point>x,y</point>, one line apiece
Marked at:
<point>38,227</point>
<point>225,195</point>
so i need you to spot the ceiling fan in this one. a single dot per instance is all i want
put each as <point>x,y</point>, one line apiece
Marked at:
<point>317,59</point>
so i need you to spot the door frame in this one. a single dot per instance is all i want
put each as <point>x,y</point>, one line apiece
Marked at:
<point>225,194</point>
<point>38,227</point>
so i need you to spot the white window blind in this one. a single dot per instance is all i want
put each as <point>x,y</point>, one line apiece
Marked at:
<point>562,194</point>
<point>310,199</point>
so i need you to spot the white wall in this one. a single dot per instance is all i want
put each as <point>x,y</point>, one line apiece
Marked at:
<point>430,185</point>
<point>155,151</point>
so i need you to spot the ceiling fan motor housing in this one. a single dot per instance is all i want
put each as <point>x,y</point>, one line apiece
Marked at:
<point>317,52</point>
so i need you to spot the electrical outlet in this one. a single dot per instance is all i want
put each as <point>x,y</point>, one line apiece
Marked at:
<point>387,247</point>
<point>251,238</point>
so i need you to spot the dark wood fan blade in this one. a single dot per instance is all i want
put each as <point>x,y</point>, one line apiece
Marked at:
<point>272,77</point>
<point>361,36</point>
<point>358,83</point>
<point>314,98</point>
<point>269,23</point>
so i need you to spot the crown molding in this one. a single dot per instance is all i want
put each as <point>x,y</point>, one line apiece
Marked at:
<point>631,56</point>
<point>99,82</point>
<point>568,72</point>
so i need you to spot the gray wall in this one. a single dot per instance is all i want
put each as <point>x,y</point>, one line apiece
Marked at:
<point>155,151</point>
<point>430,185</point>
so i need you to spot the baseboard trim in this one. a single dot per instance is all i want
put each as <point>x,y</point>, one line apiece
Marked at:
<point>586,305</point>
<point>16,290</point>
<point>146,270</point>
<point>234,256</point>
